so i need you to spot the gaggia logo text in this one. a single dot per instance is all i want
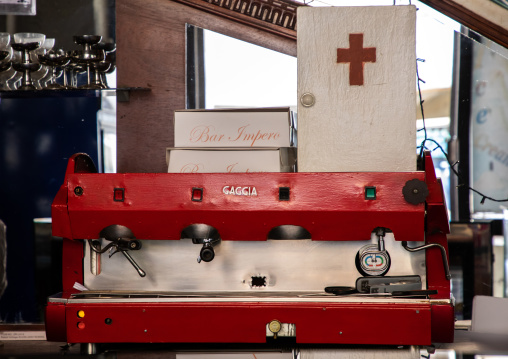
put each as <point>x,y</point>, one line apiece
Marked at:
<point>240,191</point>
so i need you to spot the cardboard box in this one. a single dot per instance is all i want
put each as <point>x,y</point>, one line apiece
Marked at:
<point>231,160</point>
<point>250,127</point>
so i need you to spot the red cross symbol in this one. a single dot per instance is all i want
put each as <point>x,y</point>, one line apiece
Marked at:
<point>356,55</point>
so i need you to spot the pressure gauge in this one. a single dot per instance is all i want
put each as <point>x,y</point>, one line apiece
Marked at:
<point>370,261</point>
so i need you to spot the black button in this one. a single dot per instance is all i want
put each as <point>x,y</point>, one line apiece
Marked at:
<point>283,193</point>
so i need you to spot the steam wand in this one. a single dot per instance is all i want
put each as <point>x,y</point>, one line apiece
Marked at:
<point>426,246</point>
<point>121,245</point>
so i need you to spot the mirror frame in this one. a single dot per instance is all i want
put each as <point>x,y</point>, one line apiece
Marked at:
<point>483,17</point>
<point>151,53</point>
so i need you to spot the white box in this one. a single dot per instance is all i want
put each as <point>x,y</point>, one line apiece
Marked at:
<point>490,315</point>
<point>230,160</point>
<point>360,118</point>
<point>250,127</point>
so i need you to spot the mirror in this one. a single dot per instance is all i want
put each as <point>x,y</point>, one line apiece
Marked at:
<point>226,72</point>
<point>152,54</point>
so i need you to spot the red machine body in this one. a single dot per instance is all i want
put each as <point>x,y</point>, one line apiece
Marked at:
<point>245,207</point>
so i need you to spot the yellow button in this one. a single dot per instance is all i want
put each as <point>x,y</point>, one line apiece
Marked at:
<point>81,313</point>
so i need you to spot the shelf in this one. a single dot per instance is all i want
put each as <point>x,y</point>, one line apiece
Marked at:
<point>122,93</point>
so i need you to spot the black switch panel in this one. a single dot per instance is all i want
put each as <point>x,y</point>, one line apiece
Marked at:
<point>283,193</point>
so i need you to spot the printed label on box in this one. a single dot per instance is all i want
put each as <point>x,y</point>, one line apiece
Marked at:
<point>203,161</point>
<point>233,129</point>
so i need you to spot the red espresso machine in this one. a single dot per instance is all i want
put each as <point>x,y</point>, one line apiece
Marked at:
<point>322,258</point>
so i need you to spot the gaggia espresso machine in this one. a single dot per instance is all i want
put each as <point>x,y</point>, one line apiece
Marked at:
<point>322,258</point>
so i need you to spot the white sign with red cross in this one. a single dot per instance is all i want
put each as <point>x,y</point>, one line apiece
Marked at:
<point>356,89</point>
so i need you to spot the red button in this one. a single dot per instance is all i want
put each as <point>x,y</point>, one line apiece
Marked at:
<point>197,194</point>
<point>119,194</point>
<point>81,325</point>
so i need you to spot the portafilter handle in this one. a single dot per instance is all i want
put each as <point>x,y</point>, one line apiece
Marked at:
<point>121,245</point>
<point>141,272</point>
<point>207,253</point>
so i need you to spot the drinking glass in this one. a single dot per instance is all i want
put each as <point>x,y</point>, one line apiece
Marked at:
<point>6,71</point>
<point>56,60</point>
<point>26,42</point>
<point>88,57</point>
<point>39,77</point>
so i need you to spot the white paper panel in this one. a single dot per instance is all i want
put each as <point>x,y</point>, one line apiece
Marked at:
<point>351,127</point>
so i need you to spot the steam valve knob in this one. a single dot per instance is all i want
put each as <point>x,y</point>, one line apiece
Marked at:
<point>128,244</point>
<point>134,245</point>
<point>415,191</point>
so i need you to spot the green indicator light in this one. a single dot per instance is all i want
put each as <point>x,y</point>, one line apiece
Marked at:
<point>370,192</point>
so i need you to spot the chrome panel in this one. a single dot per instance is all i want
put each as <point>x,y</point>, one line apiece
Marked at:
<point>287,265</point>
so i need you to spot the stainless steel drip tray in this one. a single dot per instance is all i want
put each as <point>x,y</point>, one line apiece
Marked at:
<point>261,296</point>
<point>178,294</point>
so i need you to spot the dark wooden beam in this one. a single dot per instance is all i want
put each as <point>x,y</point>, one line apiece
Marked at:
<point>276,16</point>
<point>472,20</point>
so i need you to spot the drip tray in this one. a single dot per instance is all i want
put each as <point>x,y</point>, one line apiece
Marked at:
<point>237,297</point>
<point>154,295</point>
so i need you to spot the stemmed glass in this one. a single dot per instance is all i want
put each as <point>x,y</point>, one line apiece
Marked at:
<point>106,66</point>
<point>5,53</point>
<point>30,63</point>
<point>6,71</point>
<point>39,77</point>
<point>56,60</point>
<point>75,67</point>
<point>99,68</point>
<point>88,57</point>
<point>26,42</point>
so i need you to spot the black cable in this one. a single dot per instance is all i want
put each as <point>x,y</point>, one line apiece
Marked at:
<point>424,128</point>
<point>422,147</point>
